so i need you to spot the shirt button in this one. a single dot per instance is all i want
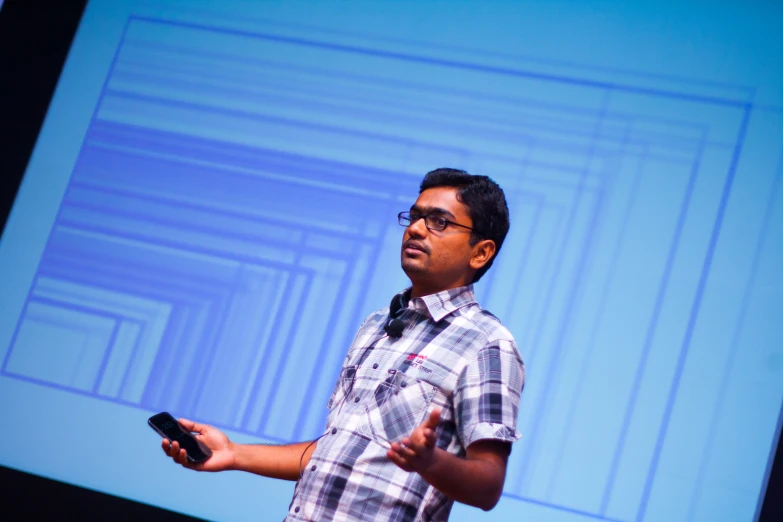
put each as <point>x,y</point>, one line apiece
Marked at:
<point>375,366</point>
<point>313,468</point>
<point>334,430</point>
<point>357,399</point>
<point>403,384</point>
<point>296,509</point>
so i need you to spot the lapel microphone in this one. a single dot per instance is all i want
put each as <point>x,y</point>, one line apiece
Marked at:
<point>394,325</point>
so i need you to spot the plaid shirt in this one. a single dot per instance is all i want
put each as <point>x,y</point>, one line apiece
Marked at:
<point>452,355</point>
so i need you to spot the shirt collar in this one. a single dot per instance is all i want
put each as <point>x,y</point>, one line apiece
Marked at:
<point>443,303</point>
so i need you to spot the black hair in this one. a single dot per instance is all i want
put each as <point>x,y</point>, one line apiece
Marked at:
<point>485,201</point>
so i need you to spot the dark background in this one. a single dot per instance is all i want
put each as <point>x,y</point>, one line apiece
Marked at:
<point>34,40</point>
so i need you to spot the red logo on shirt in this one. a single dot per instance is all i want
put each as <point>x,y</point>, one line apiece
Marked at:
<point>416,361</point>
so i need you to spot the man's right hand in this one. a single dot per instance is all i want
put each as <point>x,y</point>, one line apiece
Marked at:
<point>282,462</point>
<point>223,455</point>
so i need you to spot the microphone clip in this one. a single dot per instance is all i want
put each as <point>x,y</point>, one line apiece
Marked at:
<point>394,325</point>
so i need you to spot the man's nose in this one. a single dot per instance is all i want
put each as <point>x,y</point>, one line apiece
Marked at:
<point>418,228</point>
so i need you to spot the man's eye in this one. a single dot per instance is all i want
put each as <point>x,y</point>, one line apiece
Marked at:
<point>415,217</point>
<point>439,221</point>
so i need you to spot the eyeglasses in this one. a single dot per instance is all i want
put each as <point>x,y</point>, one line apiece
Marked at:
<point>431,221</point>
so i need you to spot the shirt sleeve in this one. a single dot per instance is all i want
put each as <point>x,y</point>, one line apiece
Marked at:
<point>333,396</point>
<point>486,399</point>
<point>338,386</point>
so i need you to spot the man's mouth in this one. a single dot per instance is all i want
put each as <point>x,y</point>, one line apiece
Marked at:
<point>412,247</point>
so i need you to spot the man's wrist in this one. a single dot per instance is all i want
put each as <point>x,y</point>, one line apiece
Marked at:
<point>431,465</point>
<point>235,452</point>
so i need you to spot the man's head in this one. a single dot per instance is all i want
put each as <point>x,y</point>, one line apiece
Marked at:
<point>474,212</point>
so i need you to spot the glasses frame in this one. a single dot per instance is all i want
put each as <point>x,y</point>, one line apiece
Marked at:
<point>406,215</point>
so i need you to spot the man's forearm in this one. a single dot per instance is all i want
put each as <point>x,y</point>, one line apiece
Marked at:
<point>281,462</point>
<point>477,483</point>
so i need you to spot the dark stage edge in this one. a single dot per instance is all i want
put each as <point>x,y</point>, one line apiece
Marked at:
<point>35,36</point>
<point>30,497</point>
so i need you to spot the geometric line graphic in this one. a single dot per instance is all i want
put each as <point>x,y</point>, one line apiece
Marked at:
<point>234,199</point>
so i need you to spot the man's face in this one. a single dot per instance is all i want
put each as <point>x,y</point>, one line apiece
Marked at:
<point>438,260</point>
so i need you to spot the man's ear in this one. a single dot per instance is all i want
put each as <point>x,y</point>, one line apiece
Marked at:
<point>482,253</point>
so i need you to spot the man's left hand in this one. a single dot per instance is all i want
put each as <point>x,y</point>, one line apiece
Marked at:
<point>417,452</point>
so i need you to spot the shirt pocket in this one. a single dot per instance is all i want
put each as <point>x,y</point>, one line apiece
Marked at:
<point>397,406</point>
<point>343,388</point>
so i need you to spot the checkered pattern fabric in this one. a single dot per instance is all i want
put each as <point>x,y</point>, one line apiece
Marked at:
<point>452,355</point>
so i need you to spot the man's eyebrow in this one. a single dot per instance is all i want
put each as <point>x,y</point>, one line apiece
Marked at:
<point>433,210</point>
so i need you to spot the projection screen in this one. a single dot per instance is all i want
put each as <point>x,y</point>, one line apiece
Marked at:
<point>210,212</point>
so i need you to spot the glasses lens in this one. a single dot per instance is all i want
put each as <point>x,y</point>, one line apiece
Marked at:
<point>436,223</point>
<point>404,218</point>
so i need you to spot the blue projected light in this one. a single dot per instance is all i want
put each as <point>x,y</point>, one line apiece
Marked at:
<point>210,212</point>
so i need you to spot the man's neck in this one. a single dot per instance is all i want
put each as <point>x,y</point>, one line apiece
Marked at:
<point>421,291</point>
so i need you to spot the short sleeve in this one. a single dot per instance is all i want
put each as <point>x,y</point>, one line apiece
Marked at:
<point>486,399</point>
<point>333,396</point>
<point>338,385</point>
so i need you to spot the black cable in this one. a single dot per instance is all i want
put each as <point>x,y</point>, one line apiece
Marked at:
<point>301,459</point>
<point>399,308</point>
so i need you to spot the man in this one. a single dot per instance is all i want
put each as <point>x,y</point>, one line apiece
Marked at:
<point>424,411</point>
